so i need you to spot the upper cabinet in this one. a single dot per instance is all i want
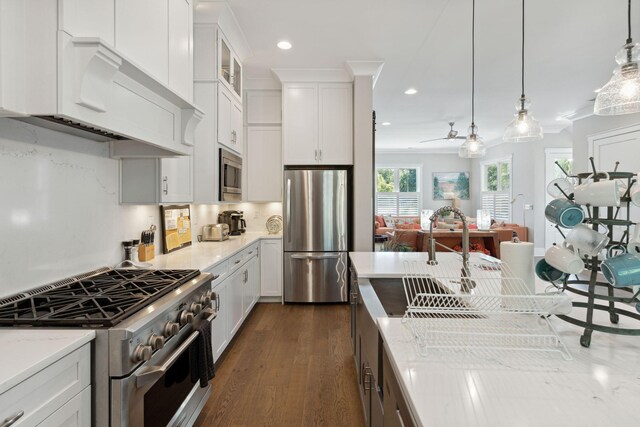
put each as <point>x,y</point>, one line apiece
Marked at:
<point>229,121</point>
<point>317,120</point>
<point>113,70</point>
<point>229,67</point>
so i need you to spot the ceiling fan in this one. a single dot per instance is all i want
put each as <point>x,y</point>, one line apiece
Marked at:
<point>452,135</point>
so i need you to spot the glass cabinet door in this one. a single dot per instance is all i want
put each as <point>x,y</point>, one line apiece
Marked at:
<point>237,77</point>
<point>225,61</point>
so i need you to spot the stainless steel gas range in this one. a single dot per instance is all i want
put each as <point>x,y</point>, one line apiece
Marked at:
<point>147,330</point>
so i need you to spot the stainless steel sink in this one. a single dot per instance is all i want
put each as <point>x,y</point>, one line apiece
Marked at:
<point>391,294</point>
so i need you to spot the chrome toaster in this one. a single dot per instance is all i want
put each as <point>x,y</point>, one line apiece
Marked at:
<point>215,232</point>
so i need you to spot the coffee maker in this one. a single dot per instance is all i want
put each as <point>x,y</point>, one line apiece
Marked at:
<point>237,225</point>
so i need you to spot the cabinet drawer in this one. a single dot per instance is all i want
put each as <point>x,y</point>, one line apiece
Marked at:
<point>221,269</point>
<point>243,256</point>
<point>74,413</point>
<point>42,394</point>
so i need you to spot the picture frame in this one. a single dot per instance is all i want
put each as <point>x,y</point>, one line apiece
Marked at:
<point>451,185</point>
<point>176,227</point>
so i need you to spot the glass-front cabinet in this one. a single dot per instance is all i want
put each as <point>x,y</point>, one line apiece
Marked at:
<point>230,72</point>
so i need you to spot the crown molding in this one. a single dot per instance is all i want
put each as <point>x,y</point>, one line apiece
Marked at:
<point>365,68</point>
<point>298,75</point>
<point>261,83</point>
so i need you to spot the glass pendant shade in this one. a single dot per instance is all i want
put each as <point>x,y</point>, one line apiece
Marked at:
<point>473,147</point>
<point>524,127</point>
<point>621,94</point>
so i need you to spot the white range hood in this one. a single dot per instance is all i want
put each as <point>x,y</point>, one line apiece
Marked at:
<point>84,85</point>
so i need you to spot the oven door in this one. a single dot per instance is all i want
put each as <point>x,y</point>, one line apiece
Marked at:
<point>160,393</point>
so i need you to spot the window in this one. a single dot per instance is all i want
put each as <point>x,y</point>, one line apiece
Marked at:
<point>496,189</point>
<point>398,191</point>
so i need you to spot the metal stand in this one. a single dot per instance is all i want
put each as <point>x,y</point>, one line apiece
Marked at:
<point>611,303</point>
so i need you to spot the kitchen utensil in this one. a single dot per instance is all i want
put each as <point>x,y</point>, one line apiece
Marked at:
<point>586,240</point>
<point>564,213</point>
<point>564,259</point>
<point>549,273</point>
<point>602,193</point>
<point>622,270</point>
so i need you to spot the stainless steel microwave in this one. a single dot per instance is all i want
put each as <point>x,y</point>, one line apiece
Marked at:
<point>230,176</point>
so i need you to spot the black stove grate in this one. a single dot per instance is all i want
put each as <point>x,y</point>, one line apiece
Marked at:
<point>98,301</point>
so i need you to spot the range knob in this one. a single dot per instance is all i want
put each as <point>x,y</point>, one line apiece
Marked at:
<point>185,317</point>
<point>195,308</point>
<point>171,329</point>
<point>205,299</point>
<point>156,341</point>
<point>142,353</point>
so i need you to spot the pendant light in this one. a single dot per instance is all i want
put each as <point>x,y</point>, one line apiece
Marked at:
<point>523,128</point>
<point>473,146</point>
<point>621,94</point>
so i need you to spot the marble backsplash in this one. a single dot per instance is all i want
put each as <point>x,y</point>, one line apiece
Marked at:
<point>60,213</point>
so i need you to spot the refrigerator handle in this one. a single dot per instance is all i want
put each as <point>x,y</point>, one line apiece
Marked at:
<point>325,256</point>
<point>288,216</point>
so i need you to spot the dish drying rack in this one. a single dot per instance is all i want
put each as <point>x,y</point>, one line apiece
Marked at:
<point>482,310</point>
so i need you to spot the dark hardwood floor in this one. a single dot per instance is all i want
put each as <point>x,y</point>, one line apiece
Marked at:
<point>291,365</point>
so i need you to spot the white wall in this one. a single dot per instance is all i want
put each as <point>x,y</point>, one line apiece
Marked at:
<point>60,213</point>
<point>528,170</point>
<point>363,203</point>
<point>587,126</point>
<point>430,163</point>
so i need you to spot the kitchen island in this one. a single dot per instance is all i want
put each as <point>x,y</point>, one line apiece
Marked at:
<point>600,386</point>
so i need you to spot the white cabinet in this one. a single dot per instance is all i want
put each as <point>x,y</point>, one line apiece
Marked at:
<point>157,35</point>
<point>264,164</point>
<point>205,152</point>
<point>150,181</point>
<point>147,48</point>
<point>229,67</point>
<point>317,123</point>
<point>271,267</point>
<point>229,121</point>
<point>263,107</point>
<point>236,295</point>
<point>219,327</point>
<point>181,47</point>
<point>57,395</point>
<point>300,123</point>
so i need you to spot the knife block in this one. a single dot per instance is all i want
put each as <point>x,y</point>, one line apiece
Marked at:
<point>146,252</point>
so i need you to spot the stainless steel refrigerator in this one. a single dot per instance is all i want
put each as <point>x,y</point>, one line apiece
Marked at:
<point>315,235</point>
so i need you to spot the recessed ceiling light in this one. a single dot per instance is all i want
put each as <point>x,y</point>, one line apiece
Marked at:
<point>385,123</point>
<point>410,91</point>
<point>284,45</point>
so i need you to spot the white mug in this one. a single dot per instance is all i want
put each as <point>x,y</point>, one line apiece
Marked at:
<point>587,241</point>
<point>635,192</point>
<point>563,258</point>
<point>633,247</point>
<point>601,193</point>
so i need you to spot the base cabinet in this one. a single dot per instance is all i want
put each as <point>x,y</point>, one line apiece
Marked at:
<point>396,411</point>
<point>219,328</point>
<point>74,413</point>
<point>271,268</point>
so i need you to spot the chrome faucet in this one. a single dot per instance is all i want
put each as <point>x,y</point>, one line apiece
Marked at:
<point>465,242</point>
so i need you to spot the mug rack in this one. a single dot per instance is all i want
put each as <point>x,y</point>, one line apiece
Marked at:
<point>600,295</point>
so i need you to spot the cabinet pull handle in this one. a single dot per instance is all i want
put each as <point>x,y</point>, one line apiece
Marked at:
<point>316,155</point>
<point>250,253</point>
<point>237,261</point>
<point>11,421</point>
<point>367,378</point>
<point>165,181</point>
<point>320,154</point>
<point>399,416</point>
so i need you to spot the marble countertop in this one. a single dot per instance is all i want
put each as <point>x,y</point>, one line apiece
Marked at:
<point>204,255</point>
<point>600,386</point>
<point>25,352</point>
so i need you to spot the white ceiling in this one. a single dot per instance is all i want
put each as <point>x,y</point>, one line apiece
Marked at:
<point>426,44</point>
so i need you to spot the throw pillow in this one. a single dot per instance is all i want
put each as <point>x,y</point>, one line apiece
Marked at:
<point>380,220</point>
<point>388,220</point>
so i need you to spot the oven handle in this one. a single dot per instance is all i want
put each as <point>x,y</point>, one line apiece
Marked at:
<point>155,372</point>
